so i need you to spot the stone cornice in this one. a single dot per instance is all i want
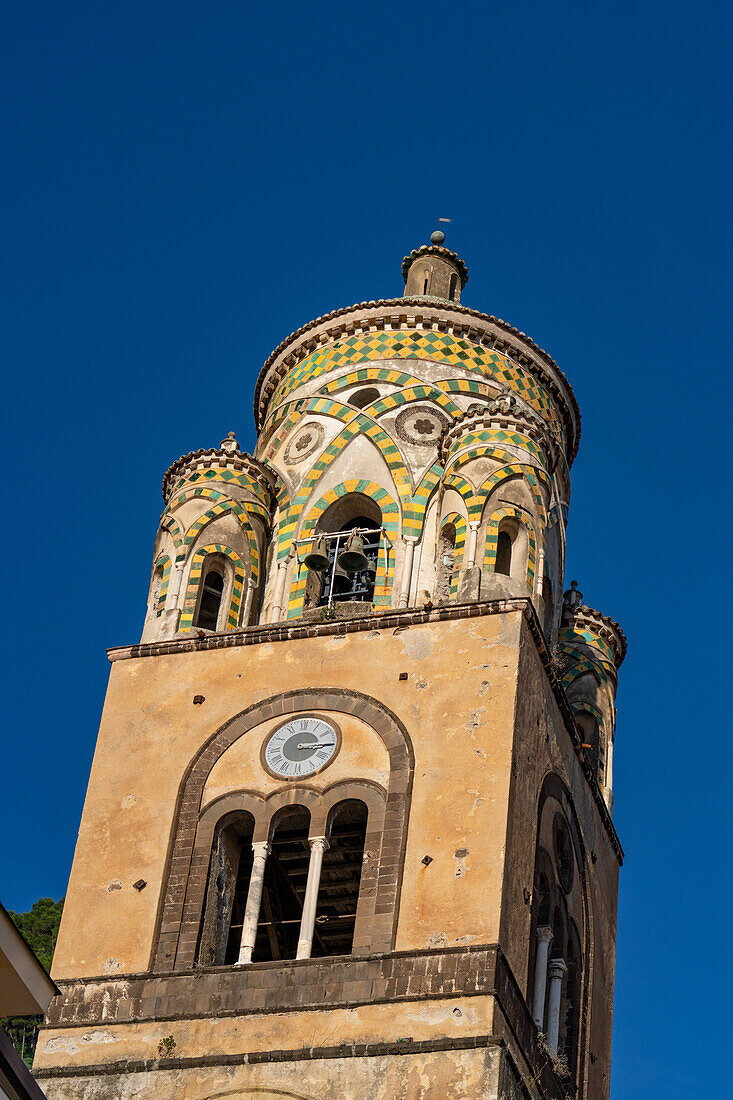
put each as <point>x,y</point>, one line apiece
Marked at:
<point>388,620</point>
<point>608,629</point>
<point>397,313</point>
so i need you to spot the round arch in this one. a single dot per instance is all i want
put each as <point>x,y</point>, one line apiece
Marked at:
<point>184,881</point>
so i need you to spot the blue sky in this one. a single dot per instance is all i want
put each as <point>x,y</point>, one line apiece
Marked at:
<point>185,184</point>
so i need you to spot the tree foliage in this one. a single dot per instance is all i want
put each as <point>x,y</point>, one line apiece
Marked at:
<point>39,927</point>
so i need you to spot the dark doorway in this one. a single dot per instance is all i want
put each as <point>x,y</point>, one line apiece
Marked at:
<point>286,873</point>
<point>338,894</point>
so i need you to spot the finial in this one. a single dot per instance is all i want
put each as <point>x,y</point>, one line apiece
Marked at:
<point>437,237</point>
<point>229,444</point>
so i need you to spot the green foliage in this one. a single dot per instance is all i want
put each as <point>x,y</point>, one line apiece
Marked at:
<point>39,928</point>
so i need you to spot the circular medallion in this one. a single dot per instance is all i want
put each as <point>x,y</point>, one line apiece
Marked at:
<point>300,747</point>
<point>420,425</point>
<point>302,445</point>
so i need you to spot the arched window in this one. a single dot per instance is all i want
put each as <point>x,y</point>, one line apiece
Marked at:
<point>548,606</point>
<point>334,584</point>
<point>446,563</point>
<point>212,589</point>
<point>362,398</point>
<point>593,741</point>
<point>504,553</point>
<point>453,287</point>
<point>286,874</point>
<point>226,891</point>
<point>338,892</point>
<point>426,281</point>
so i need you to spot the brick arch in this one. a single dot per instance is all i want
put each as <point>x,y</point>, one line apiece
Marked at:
<point>180,908</point>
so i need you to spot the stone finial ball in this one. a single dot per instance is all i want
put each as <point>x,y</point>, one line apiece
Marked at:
<point>437,237</point>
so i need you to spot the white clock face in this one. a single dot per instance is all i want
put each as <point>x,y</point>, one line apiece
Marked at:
<point>301,747</point>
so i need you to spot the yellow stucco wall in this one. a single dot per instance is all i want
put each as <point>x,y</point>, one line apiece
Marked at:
<point>457,706</point>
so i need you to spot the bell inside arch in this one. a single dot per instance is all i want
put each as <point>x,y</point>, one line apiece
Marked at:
<point>353,559</point>
<point>317,558</point>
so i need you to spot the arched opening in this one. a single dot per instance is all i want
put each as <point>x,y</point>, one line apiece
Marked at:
<point>504,544</point>
<point>334,584</point>
<point>362,398</point>
<point>593,741</point>
<point>286,874</point>
<point>426,281</point>
<point>155,589</point>
<point>446,563</point>
<point>453,287</point>
<point>212,590</point>
<point>338,893</point>
<point>230,867</point>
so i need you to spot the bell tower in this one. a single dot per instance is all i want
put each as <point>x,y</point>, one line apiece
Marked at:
<point>348,827</point>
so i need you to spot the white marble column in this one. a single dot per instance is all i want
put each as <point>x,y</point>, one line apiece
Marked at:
<point>608,788</point>
<point>248,602</point>
<point>174,589</point>
<point>308,920</point>
<point>472,543</point>
<point>404,597</point>
<point>558,970</point>
<point>261,851</point>
<point>544,939</point>
<point>276,612</point>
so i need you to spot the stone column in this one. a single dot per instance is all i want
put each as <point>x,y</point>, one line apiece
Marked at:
<point>472,542</point>
<point>558,970</point>
<point>276,614</point>
<point>308,920</point>
<point>248,601</point>
<point>261,851</point>
<point>608,788</point>
<point>174,589</point>
<point>404,598</point>
<point>544,939</point>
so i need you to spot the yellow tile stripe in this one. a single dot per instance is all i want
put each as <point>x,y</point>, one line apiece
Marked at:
<point>492,539</point>
<point>194,580</point>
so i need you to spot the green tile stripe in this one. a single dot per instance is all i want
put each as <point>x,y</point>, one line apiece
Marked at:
<point>385,564</point>
<point>414,513</point>
<point>472,441</point>
<point>194,580</point>
<point>371,374</point>
<point>420,392</point>
<point>584,636</point>
<point>459,522</point>
<point>533,475</point>
<point>218,474</point>
<point>164,561</point>
<point>492,539</point>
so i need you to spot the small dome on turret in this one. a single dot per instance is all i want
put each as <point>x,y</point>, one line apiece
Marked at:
<point>433,271</point>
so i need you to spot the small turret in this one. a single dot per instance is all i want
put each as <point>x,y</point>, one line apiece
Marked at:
<point>433,271</point>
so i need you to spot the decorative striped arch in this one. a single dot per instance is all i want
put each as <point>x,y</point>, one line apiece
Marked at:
<point>533,475</point>
<point>174,529</point>
<point>285,417</point>
<point>466,490</point>
<point>414,512</point>
<point>419,392</point>
<point>492,539</point>
<point>225,507</point>
<point>580,667</point>
<point>360,425</point>
<point>194,580</point>
<point>163,561</point>
<point>390,522</point>
<point>489,441</point>
<point>581,707</point>
<point>216,473</point>
<point>459,522</point>
<point>370,374</point>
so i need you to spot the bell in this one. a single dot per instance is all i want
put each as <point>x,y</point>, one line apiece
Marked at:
<point>317,559</point>
<point>353,559</point>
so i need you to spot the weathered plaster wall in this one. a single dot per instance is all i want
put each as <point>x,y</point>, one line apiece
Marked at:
<point>457,706</point>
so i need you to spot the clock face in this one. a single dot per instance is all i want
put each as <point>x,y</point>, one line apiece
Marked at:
<point>300,747</point>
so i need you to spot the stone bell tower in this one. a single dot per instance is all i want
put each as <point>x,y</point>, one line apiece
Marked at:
<point>348,827</point>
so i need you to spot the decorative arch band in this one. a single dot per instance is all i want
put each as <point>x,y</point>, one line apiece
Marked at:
<point>459,522</point>
<point>492,539</point>
<point>385,564</point>
<point>194,581</point>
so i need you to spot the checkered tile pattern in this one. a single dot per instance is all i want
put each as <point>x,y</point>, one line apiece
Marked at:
<point>164,563</point>
<point>461,527</point>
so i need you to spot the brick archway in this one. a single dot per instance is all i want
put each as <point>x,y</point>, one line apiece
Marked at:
<point>177,927</point>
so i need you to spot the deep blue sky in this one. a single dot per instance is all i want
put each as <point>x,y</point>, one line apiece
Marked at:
<point>185,184</point>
